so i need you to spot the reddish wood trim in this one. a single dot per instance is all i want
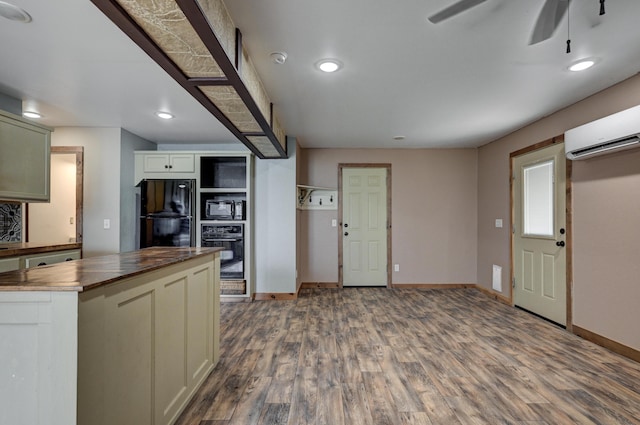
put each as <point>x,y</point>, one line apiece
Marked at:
<point>386,166</point>
<point>275,296</point>
<point>545,143</point>
<point>432,285</point>
<point>568,221</point>
<point>310,285</point>
<point>607,343</point>
<point>235,299</point>
<point>495,295</point>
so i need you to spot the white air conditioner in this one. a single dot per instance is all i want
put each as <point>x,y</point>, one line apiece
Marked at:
<point>613,133</point>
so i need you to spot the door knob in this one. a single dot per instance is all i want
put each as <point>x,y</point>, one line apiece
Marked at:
<point>560,243</point>
<point>346,233</point>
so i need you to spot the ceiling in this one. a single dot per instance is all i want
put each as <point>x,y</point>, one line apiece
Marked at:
<point>460,83</point>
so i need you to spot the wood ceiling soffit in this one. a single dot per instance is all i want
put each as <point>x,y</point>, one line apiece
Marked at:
<point>197,44</point>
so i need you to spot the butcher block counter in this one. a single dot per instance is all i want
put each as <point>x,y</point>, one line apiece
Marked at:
<point>118,339</point>
<point>12,249</point>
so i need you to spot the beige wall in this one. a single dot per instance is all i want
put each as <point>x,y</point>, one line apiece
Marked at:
<point>54,221</point>
<point>592,309</point>
<point>433,213</point>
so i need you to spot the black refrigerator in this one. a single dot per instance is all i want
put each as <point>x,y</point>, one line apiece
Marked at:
<point>166,212</point>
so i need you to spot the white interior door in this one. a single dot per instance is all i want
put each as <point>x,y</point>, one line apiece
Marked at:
<point>539,233</point>
<point>364,226</point>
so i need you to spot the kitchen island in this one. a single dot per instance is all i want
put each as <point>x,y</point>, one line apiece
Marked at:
<point>124,338</point>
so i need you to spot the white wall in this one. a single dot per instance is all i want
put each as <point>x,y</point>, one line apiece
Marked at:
<point>101,184</point>
<point>275,223</point>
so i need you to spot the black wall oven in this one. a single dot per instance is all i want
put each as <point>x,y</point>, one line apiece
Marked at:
<point>229,237</point>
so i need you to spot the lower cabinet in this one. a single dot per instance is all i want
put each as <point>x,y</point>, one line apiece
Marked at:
<point>9,264</point>
<point>146,344</point>
<point>50,258</point>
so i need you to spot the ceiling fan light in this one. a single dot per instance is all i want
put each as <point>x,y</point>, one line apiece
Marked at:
<point>582,65</point>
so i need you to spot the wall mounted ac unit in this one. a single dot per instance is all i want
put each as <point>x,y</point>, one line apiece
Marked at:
<point>613,133</point>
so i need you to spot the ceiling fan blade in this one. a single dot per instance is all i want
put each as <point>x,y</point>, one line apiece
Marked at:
<point>550,16</point>
<point>454,9</point>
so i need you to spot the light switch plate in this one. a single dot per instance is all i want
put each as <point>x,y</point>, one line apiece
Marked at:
<point>334,223</point>
<point>107,223</point>
<point>498,222</point>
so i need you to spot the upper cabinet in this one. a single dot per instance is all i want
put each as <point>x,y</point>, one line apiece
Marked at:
<point>25,150</point>
<point>164,165</point>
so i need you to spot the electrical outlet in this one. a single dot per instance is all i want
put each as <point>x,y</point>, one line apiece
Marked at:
<point>396,267</point>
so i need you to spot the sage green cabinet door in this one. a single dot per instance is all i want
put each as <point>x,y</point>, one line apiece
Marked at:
<point>25,150</point>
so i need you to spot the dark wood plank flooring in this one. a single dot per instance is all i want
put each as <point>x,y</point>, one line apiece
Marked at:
<point>374,356</point>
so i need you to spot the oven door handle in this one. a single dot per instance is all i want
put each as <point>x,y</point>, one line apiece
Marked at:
<point>222,240</point>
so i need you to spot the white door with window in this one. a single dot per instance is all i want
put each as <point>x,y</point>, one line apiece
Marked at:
<point>539,233</point>
<point>364,226</point>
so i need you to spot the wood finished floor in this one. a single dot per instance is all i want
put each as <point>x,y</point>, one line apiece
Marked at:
<point>407,356</point>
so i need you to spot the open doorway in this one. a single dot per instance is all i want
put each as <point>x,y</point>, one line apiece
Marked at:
<point>59,220</point>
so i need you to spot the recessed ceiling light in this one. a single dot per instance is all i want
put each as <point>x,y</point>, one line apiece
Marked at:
<point>31,114</point>
<point>582,65</point>
<point>329,65</point>
<point>164,115</point>
<point>14,13</point>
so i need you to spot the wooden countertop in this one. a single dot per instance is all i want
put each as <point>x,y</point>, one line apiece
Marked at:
<point>25,248</point>
<point>88,273</point>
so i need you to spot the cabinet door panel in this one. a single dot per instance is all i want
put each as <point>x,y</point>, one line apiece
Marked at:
<point>200,323</point>
<point>129,357</point>
<point>182,163</point>
<point>156,163</point>
<point>171,369</point>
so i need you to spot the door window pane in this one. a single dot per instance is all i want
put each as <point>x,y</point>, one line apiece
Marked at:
<point>538,202</point>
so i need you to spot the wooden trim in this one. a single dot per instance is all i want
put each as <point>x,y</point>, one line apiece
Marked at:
<point>540,145</point>
<point>274,296</point>
<point>607,343</point>
<point>232,299</point>
<point>568,222</point>
<point>309,285</point>
<point>432,285</point>
<point>386,166</point>
<point>495,295</point>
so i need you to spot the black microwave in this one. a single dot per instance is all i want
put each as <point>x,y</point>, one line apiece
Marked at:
<point>219,210</point>
<point>225,210</point>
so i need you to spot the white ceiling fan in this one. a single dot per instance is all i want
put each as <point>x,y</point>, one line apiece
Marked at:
<point>549,18</point>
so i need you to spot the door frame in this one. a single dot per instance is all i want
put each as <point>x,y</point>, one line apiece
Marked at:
<point>341,166</point>
<point>568,216</point>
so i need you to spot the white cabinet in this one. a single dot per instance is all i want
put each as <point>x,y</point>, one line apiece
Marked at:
<point>38,353</point>
<point>50,258</point>
<point>164,165</point>
<point>169,163</point>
